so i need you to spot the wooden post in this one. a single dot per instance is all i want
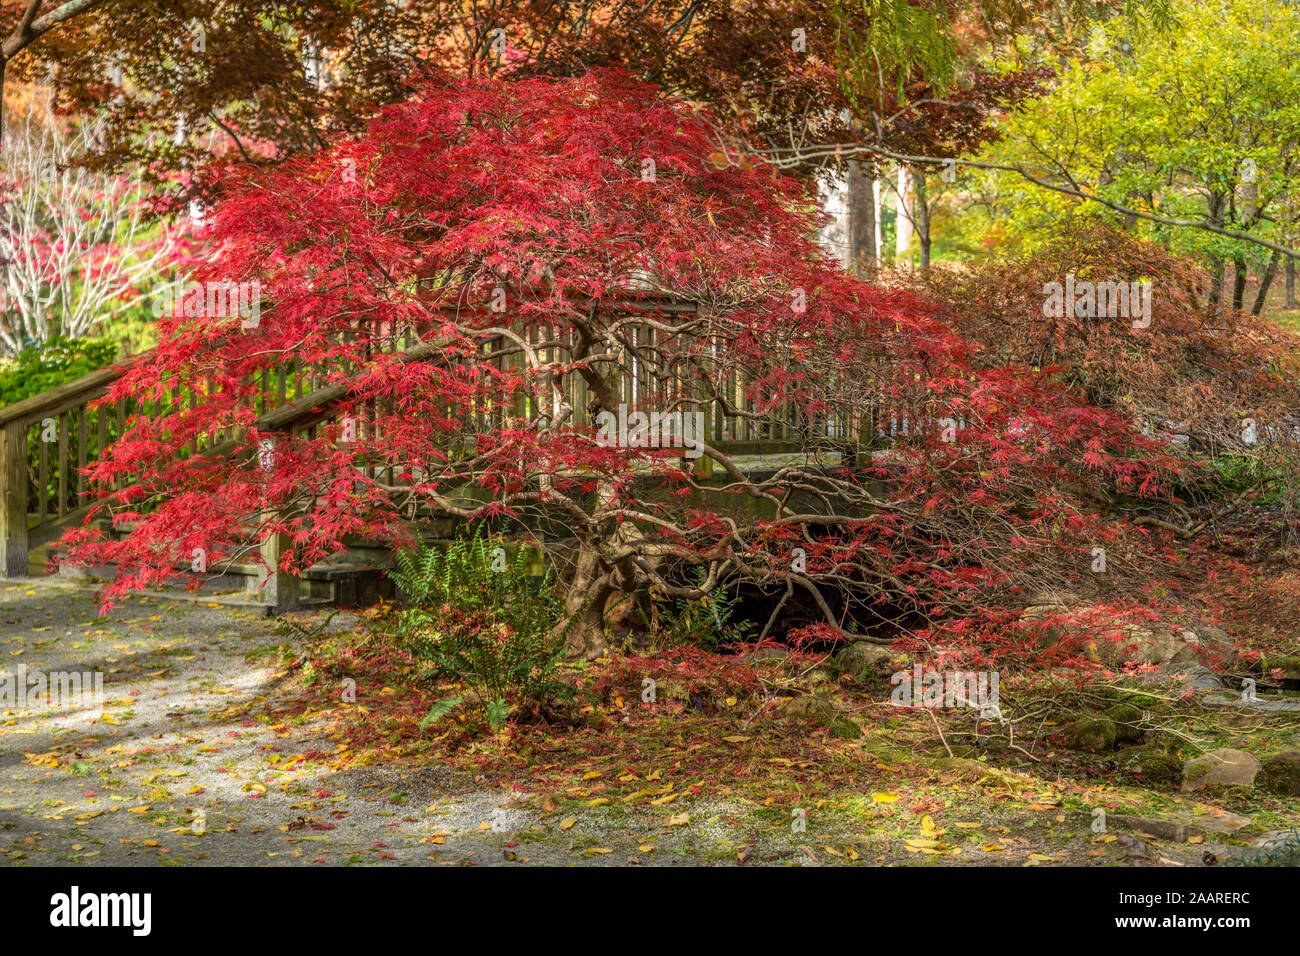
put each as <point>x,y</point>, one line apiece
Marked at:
<point>13,500</point>
<point>279,591</point>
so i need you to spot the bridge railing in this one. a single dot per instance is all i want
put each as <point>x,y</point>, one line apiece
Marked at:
<point>48,440</point>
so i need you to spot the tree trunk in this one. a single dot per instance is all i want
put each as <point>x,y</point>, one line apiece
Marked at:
<point>905,221</point>
<point>1265,281</point>
<point>1238,282</point>
<point>1290,284</point>
<point>863,222</point>
<point>584,607</point>
<point>923,219</point>
<point>1215,304</point>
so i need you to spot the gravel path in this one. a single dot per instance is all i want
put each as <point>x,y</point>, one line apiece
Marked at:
<point>166,773</point>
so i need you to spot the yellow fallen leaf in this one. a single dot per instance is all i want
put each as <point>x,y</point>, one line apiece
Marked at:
<point>598,802</point>
<point>568,822</point>
<point>598,849</point>
<point>592,775</point>
<point>885,797</point>
<point>680,819</point>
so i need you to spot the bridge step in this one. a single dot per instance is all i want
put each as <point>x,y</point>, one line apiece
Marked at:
<point>334,583</point>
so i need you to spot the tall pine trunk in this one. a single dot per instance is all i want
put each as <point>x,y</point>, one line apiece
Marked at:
<point>864,253</point>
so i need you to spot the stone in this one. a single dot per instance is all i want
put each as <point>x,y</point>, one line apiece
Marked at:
<point>1289,666</point>
<point>864,659</point>
<point>1154,766</point>
<point>809,706</point>
<point>1127,720</point>
<point>1093,734</point>
<point>1283,706</point>
<point>1280,774</point>
<point>766,654</point>
<point>1227,766</point>
<point>1201,820</point>
<point>843,728</point>
<point>819,675</point>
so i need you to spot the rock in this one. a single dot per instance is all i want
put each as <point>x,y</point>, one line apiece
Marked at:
<point>842,728</point>
<point>863,659</point>
<point>1281,774</point>
<point>972,768</point>
<point>1153,765</point>
<point>809,706</point>
<point>1179,826</point>
<point>1289,666</point>
<point>1127,720</point>
<point>1283,706</point>
<point>819,675</point>
<point>1093,734</point>
<point>766,654</point>
<point>1037,611</point>
<point>1232,767</point>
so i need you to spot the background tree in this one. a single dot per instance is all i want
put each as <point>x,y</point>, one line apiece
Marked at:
<point>1192,133</point>
<point>79,248</point>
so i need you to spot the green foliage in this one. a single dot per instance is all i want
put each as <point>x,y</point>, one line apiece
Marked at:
<point>478,616</point>
<point>705,622</point>
<point>60,360</point>
<point>1283,852</point>
<point>1193,118</point>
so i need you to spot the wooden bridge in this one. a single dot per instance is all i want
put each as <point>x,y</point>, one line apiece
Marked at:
<point>48,440</point>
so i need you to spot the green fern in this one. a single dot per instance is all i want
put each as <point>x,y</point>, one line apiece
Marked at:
<point>478,615</point>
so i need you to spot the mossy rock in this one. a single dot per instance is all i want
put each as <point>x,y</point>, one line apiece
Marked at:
<point>1127,720</point>
<point>809,706</point>
<point>1142,702</point>
<point>1225,766</point>
<point>1154,766</point>
<point>1093,734</point>
<point>1290,665</point>
<point>865,660</point>
<point>820,675</point>
<point>1280,774</point>
<point>842,727</point>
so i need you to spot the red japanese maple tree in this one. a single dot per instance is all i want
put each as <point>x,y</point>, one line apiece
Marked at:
<point>489,273</point>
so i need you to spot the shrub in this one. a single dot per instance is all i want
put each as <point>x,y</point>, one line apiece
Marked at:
<point>705,622</point>
<point>40,368</point>
<point>478,616</point>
